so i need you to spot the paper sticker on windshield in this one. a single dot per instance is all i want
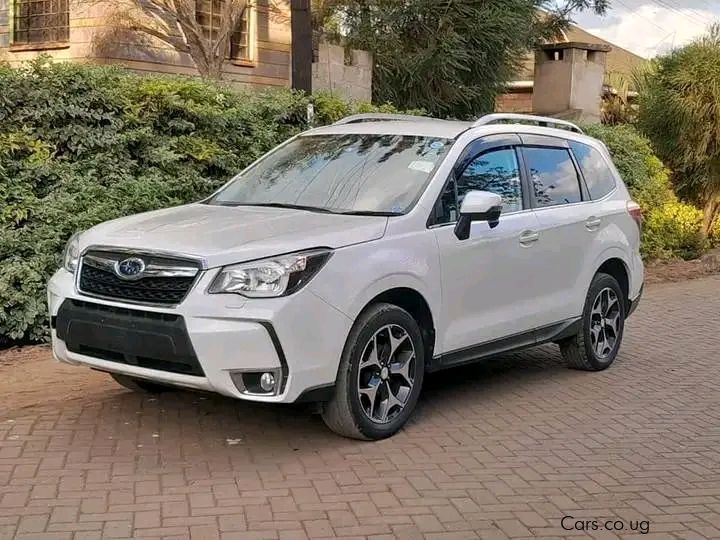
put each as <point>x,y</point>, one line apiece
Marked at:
<point>423,166</point>
<point>437,145</point>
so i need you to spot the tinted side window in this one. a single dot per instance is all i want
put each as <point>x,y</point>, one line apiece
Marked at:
<point>496,171</point>
<point>553,176</point>
<point>598,176</point>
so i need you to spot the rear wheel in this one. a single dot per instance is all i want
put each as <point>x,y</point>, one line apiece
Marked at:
<point>380,376</point>
<point>141,385</point>
<point>595,347</point>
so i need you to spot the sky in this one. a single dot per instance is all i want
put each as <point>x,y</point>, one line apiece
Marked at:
<point>651,27</point>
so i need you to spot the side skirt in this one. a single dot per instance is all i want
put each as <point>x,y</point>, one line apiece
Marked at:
<point>516,342</point>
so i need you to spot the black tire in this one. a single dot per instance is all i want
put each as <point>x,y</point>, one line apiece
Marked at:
<point>346,413</point>
<point>141,385</point>
<point>579,351</point>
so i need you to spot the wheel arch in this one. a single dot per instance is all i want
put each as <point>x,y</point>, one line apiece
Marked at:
<point>412,301</point>
<point>617,268</point>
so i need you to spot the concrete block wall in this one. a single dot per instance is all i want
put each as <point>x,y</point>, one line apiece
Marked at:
<point>332,72</point>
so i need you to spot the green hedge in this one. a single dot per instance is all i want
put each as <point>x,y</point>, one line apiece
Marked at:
<point>644,174</point>
<point>80,145</point>
<point>672,229</point>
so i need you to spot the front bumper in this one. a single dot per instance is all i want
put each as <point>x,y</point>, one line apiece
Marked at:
<point>299,337</point>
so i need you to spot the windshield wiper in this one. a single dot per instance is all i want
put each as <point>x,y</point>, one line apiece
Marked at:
<point>318,209</point>
<point>289,206</point>
<point>369,213</point>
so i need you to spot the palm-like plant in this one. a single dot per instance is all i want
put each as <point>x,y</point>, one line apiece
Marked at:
<point>680,112</point>
<point>617,107</point>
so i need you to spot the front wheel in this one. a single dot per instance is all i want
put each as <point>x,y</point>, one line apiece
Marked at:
<point>597,343</point>
<point>380,376</point>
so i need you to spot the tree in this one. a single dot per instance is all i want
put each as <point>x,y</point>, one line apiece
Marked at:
<point>680,112</point>
<point>449,57</point>
<point>177,23</point>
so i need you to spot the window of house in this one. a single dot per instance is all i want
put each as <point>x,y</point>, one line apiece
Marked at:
<point>41,21</point>
<point>496,171</point>
<point>553,176</point>
<point>209,16</point>
<point>599,178</point>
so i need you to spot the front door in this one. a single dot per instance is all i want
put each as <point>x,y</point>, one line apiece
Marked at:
<point>487,287</point>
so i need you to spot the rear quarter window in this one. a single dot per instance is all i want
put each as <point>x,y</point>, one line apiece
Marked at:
<point>599,177</point>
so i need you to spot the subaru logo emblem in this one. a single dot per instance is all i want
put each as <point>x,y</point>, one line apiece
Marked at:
<point>130,269</point>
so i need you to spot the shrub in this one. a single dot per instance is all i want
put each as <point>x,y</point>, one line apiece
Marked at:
<point>671,229</point>
<point>330,108</point>
<point>80,145</point>
<point>674,230</point>
<point>714,237</point>
<point>644,174</point>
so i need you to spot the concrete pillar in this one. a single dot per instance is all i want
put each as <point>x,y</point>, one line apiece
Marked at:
<point>569,80</point>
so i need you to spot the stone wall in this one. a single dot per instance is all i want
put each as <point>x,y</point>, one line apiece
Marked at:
<point>348,76</point>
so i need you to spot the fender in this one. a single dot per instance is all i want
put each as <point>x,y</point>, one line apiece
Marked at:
<point>607,254</point>
<point>394,281</point>
<point>408,261</point>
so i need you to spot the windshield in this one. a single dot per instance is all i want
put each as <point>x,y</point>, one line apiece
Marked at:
<point>349,173</point>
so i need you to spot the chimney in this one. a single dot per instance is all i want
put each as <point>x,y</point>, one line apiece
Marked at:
<point>569,80</point>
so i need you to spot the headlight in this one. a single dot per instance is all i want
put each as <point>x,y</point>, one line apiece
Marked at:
<point>268,278</point>
<point>71,254</point>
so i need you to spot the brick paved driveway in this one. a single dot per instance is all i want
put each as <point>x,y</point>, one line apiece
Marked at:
<point>504,449</point>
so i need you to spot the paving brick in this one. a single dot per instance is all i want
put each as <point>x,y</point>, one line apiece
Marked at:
<point>503,449</point>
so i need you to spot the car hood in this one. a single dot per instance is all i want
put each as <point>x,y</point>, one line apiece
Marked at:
<point>224,235</point>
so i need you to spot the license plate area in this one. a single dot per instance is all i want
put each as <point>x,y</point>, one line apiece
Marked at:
<point>133,337</point>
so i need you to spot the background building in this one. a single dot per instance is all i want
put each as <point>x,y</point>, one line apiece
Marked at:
<point>81,30</point>
<point>619,65</point>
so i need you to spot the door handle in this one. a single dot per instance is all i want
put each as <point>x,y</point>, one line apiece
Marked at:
<point>528,238</point>
<point>593,223</point>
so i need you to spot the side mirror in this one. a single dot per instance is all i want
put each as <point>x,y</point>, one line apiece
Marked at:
<point>478,206</point>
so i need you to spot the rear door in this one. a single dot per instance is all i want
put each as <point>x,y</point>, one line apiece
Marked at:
<point>567,222</point>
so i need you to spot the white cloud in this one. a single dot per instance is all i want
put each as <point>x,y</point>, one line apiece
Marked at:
<point>647,28</point>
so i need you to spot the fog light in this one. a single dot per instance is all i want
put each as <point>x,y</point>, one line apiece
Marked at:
<point>267,382</point>
<point>256,383</point>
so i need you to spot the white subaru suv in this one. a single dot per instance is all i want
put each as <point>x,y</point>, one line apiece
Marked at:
<point>353,259</point>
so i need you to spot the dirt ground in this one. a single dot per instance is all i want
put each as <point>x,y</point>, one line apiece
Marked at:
<point>664,271</point>
<point>28,379</point>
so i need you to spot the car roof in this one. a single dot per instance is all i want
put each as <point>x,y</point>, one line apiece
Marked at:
<point>422,127</point>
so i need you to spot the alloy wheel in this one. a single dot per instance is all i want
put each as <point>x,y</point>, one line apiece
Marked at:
<point>605,323</point>
<point>386,375</point>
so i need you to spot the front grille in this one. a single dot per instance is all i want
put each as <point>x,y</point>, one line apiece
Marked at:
<point>98,278</point>
<point>138,338</point>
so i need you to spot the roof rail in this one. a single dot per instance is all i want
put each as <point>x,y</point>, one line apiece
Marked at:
<point>379,117</point>
<point>544,121</point>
